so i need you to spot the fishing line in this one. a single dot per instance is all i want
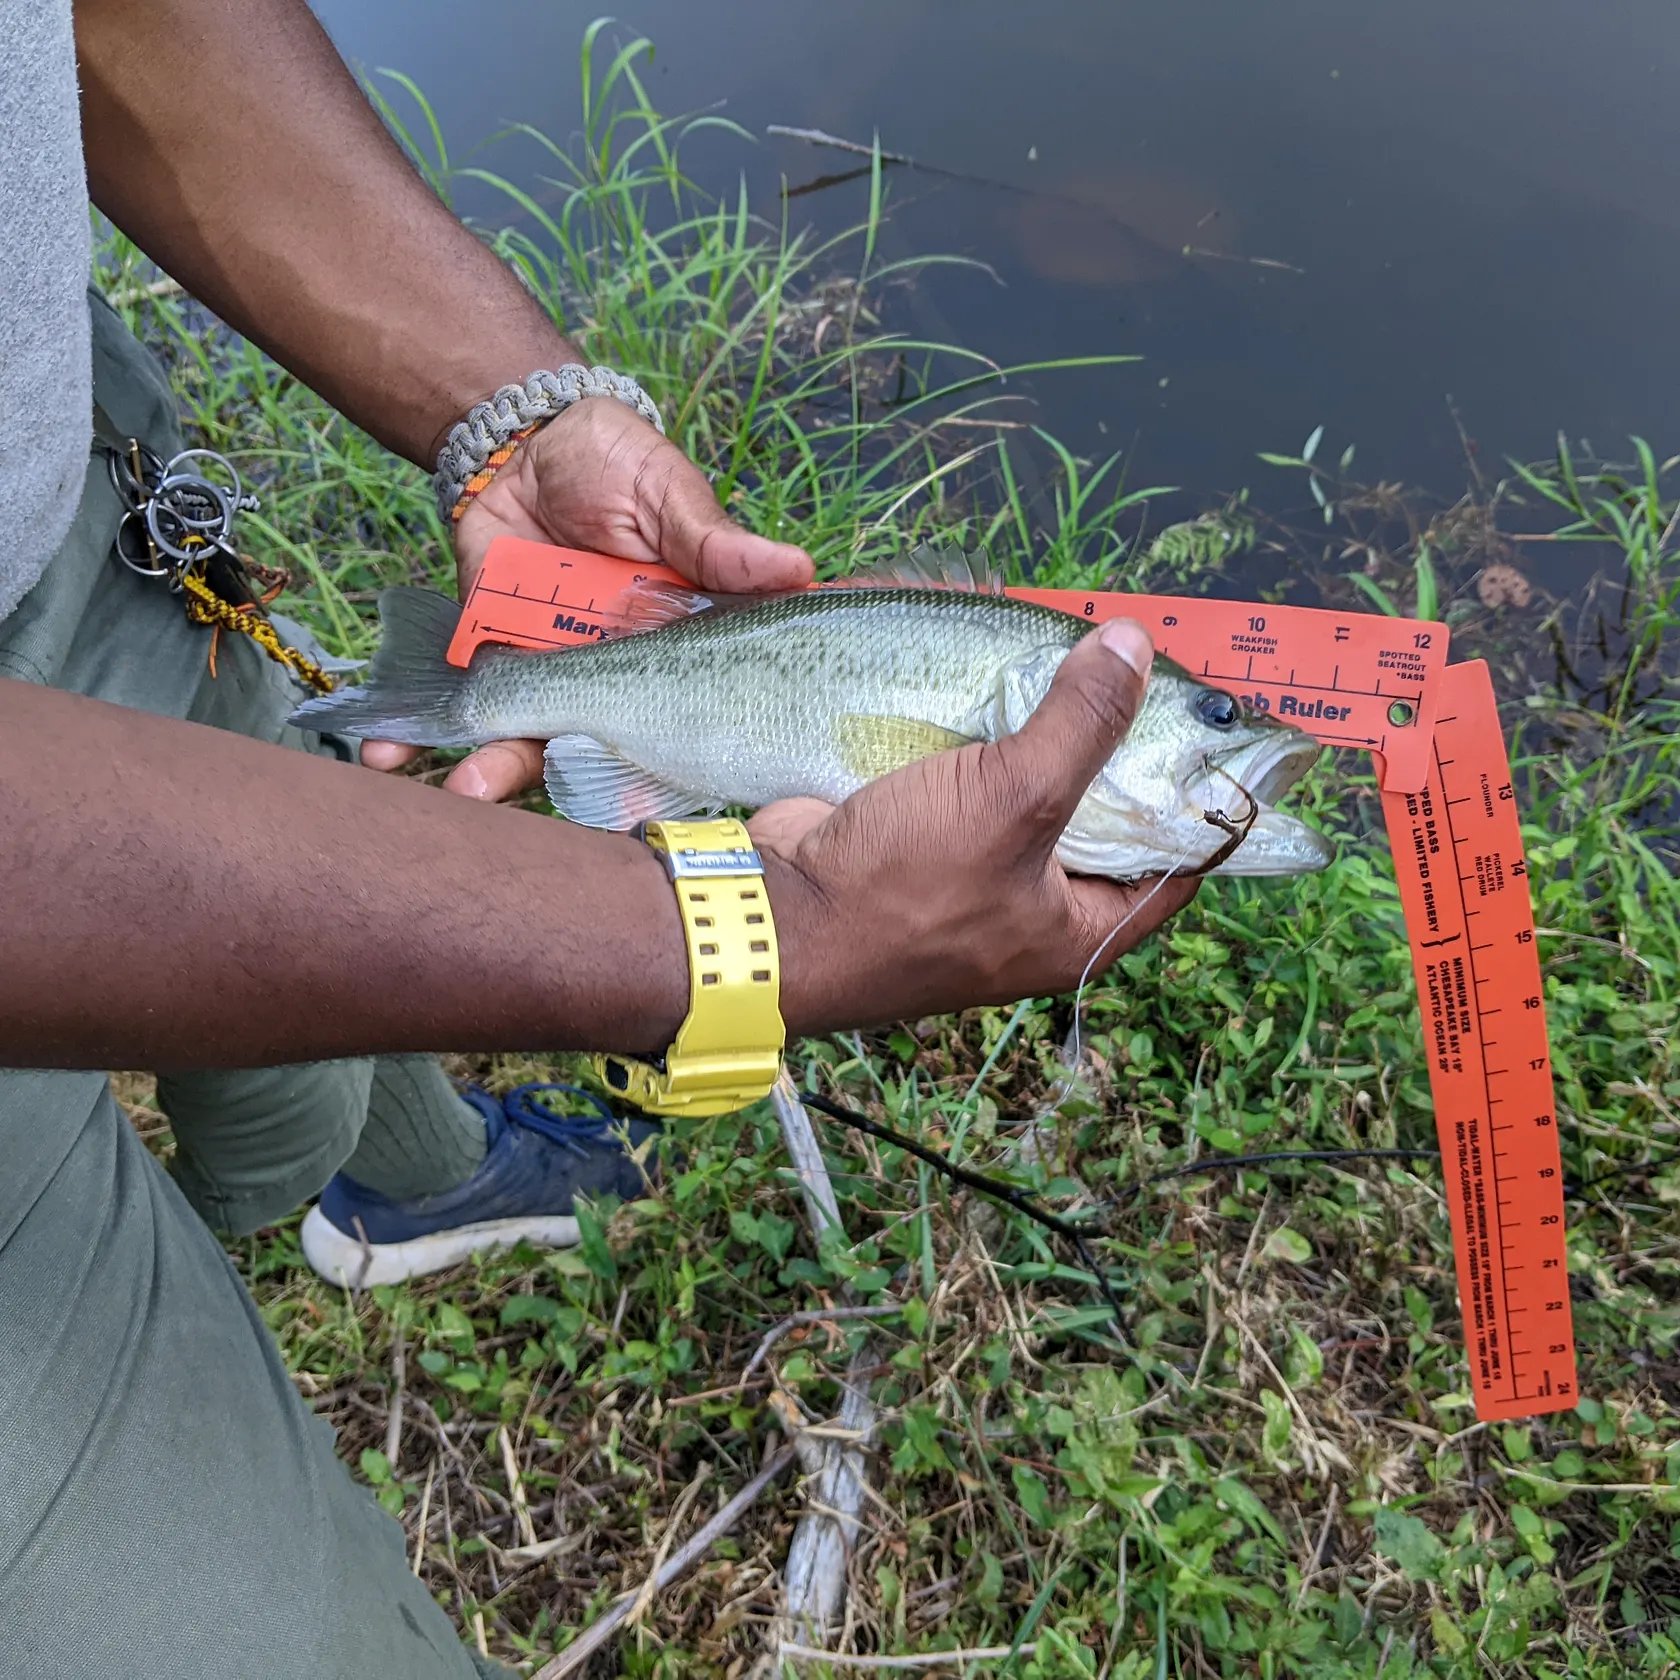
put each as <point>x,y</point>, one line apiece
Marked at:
<point>1072,1064</point>
<point>1238,832</point>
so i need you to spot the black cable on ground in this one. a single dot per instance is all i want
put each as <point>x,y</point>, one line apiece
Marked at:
<point>1024,1202</point>
<point>996,1188</point>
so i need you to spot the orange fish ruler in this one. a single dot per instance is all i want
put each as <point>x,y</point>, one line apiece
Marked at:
<point>1351,680</point>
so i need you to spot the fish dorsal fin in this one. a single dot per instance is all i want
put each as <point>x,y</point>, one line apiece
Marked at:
<point>932,566</point>
<point>874,745</point>
<point>652,603</point>
<point>591,784</point>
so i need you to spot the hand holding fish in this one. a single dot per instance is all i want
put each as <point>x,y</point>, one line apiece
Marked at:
<point>694,703</point>
<point>952,861</point>
<point>599,477</point>
<point>307,912</point>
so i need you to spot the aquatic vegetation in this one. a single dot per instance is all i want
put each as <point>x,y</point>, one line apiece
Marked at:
<point>1285,1477</point>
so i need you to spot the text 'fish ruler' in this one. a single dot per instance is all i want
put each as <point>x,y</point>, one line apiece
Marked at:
<point>1350,680</point>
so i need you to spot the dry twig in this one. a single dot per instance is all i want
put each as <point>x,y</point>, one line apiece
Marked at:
<point>922,1659</point>
<point>598,1633</point>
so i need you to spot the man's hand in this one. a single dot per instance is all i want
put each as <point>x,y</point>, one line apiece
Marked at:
<point>599,477</point>
<point>951,863</point>
<point>276,196</point>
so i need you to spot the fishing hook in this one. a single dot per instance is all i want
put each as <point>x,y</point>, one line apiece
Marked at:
<point>1237,830</point>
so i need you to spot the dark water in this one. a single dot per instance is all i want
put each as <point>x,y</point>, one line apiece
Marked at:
<point>1483,197</point>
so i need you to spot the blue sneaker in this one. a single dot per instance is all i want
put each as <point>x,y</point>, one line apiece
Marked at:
<point>537,1161</point>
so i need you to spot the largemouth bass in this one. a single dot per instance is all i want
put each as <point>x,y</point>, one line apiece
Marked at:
<point>703,704</point>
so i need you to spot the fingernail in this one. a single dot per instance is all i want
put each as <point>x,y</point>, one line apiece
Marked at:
<point>1128,640</point>
<point>469,779</point>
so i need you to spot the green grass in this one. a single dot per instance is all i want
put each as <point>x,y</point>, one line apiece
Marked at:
<point>1286,1478</point>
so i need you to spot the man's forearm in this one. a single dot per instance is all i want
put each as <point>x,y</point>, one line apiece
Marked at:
<point>229,141</point>
<point>175,896</point>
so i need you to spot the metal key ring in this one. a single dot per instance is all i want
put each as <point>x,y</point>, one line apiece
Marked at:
<point>134,520</point>
<point>179,493</point>
<point>133,492</point>
<point>188,531</point>
<point>227,466</point>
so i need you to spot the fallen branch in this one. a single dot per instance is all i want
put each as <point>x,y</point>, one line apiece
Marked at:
<point>821,137</point>
<point>399,1386</point>
<point>599,1632</point>
<point>814,1577</point>
<point>516,1491</point>
<point>123,296</point>
<point>425,1517</point>
<point>821,1207</point>
<point>689,1494</point>
<point>923,1659</point>
<point>817,1315</point>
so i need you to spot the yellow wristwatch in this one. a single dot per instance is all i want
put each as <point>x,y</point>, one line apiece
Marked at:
<point>728,1052</point>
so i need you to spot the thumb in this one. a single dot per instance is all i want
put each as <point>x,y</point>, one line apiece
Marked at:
<point>697,537</point>
<point>1083,716</point>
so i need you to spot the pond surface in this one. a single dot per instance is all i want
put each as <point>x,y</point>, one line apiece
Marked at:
<point>1474,200</point>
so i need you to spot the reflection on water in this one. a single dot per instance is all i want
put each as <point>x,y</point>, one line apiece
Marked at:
<point>1481,201</point>
<point>1119,225</point>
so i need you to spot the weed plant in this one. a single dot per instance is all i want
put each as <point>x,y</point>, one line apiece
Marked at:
<point>1285,1475</point>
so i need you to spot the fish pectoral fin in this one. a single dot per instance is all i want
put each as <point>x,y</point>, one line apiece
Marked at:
<point>652,603</point>
<point>589,783</point>
<point>873,745</point>
<point>649,604</point>
<point>931,566</point>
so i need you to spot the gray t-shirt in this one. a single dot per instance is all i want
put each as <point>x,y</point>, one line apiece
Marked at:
<point>46,377</point>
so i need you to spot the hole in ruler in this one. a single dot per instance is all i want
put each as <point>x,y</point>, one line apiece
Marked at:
<point>1401,713</point>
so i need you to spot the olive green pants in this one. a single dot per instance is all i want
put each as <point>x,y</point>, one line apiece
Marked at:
<point>169,1508</point>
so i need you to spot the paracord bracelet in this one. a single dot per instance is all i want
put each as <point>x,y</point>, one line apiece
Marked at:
<point>521,408</point>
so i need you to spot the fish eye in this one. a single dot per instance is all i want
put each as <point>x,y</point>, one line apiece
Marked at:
<point>1217,710</point>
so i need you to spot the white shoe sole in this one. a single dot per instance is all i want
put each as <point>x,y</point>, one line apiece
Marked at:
<point>353,1264</point>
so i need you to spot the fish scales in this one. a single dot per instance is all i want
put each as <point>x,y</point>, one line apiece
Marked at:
<point>758,693</point>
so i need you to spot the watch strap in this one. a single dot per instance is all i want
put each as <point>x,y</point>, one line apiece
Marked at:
<point>728,1051</point>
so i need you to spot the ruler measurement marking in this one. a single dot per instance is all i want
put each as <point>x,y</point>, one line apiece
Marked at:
<point>1501,1202</point>
<point>1508,1195</point>
<point>1504,1218</point>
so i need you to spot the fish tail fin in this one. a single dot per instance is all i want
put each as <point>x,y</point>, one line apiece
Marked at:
<point>412,693</point>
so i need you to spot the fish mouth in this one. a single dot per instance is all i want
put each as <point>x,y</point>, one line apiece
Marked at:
<point>1244,785</point>
<point>1222,822</point>
<point>1276,844</point>
<point>1268,768</point>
